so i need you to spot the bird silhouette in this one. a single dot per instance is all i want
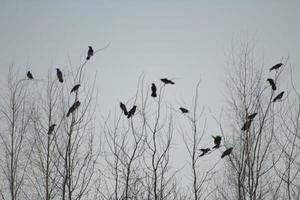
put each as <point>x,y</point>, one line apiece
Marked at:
<point>167,81</point>
<point>123,108</point>
<point>59,75</point>
<point>131,111</point>
<point>29,75</point>
<point>51,129</point>
<point>75,88</point>
<point>227,152</point>
<point>272,83</point>
<point>247,125</point>
<point>153,90</point>
<point>217,141</point>
<point>252,116</point>
<point>184,110</point>
<point>278,97</point>
<point>75,105</point>
<point>276,66</point>
<point>90,53</point>
<point>204,151</point>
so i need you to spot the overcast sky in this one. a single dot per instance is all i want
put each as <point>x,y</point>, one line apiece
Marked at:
<point>182,40</point>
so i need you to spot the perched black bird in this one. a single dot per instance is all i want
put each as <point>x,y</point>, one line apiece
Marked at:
<point>278,97</point>
<point>184,110</point>
<point>250,117</point>
<point>227,152</point>
<point>73,107</point>
<point>217,141</point>
<point>247,125</point>
<point>59,75</point>
<point>51,129</point>
<point>153,90</point>
<point>90,53</point>
<point>123,108</point>
<point>276,66</point>
<point>29,75</point>
<point>167,81</point>
<point>131,111</point>
<point>75,88</point>
<point>204,151</point>
<point>272,83</point>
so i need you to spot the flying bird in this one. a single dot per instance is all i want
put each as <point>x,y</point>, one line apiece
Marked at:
<point>278,97</point>
<point>272,83</point>
<point>29,75</point>
<point>252,116</point>
<point>217,141</point>
<point>75,88</point>
<point>227,152</point>
<point>276,66</point>
<point>123,108</point>
<point>131,111</point>
<point>247,125</point>
<point>90,53</point>
<point>167,81</point>
<point>73,107</point>
<point>184,110</point>
<point>59,75</point>
<point>153,90</point>
<point>204,151</point>
<point>51,129</point>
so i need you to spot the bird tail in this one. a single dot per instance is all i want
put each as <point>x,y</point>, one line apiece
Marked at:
<point>154,95</point>
<point>88,57</point>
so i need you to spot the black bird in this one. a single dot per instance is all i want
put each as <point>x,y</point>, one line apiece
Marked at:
<point>167,81</point>
<point>73,107</point>
<point>51,129</point>
<point>204,151</point>
<point>217,141</point>
<point>278,97</point>
<point>90,53</point>
<point>59,75</point>
<point>123,108</point>
<point>272,83</point>
<point>131,111</point>
<point>276,66</point>
<point>153,90</point>
<point>29,75</point>
<point>184,110</point>
<point>75,88</point>
<point>227,152</point>
<point>252,116</point>
<point>247,125</point>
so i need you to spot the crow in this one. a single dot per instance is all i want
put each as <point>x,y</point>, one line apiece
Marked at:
<point>184,110</point>
<point>247,125</point>
<point>73,107</point>
<point>272,83</point>
<point>90,53</point>
<point>131,111</point>
<point>251,117</point>
<point>59,75</point>
<point>278,97</point>
<point>29,75</point>
<point>204,151</point>
<point>167,81</point>
<point>51,129</point>
<point>75,88</point>
<point>217,141</point>
<point>276,66</point>
<point>153,90</point>
<point>123,108</point>
<point>227,152</point>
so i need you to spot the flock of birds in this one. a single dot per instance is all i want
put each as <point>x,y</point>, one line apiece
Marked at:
<point>217,139</point>
<point>131,112</point>
<point>75,88</point>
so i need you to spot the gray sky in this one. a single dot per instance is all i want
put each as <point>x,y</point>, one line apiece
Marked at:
<point>184,40</point>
